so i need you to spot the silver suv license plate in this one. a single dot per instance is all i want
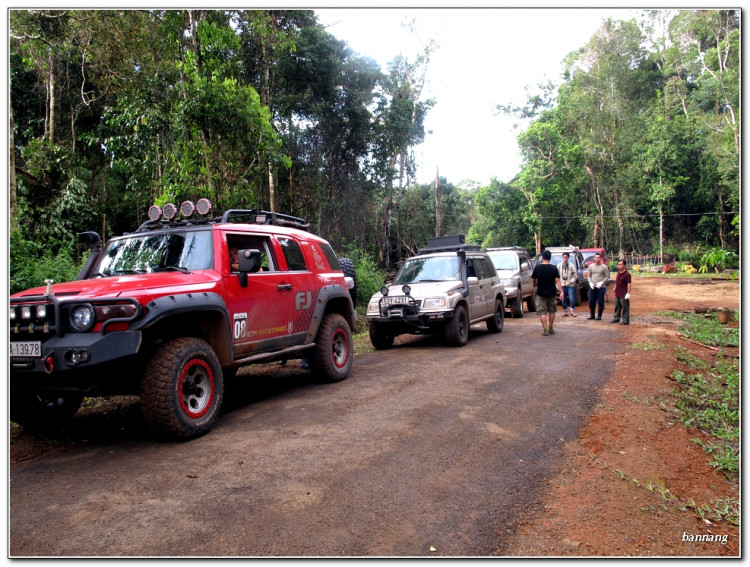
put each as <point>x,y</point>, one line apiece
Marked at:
<point>26,348</point>
<point>398,300</point>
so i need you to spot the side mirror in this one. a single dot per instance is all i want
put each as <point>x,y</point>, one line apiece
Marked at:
<point>471,280</point>
<point>249,261</point>
<point>525,266</point>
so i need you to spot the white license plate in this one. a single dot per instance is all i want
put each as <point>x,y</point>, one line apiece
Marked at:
<point>398,300</point>
<point>26,348</point>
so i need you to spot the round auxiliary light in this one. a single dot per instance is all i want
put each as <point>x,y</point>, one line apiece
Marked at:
<point>203,206</point>
<point>384,291</point>
<point>154,212</point>
<point>169,211</point>
<point>406,289</point>
<point>187,209</point>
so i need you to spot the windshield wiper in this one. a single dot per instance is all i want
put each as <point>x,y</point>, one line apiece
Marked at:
<point>418,281</point>
<point>99,275</point>
<point>124,272</point>
<point>178,268</point>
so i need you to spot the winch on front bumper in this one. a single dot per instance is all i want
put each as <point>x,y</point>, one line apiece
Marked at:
<point>406,309</point>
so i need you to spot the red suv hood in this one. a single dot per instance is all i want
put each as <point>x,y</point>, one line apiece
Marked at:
<point>132,285</point>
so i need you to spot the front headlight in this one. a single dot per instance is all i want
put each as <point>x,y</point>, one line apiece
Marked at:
<point>373,307</point>
<point>82,318</point>
<point>433,302</point>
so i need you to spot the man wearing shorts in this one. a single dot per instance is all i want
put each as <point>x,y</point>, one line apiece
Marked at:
<point>547,285</point>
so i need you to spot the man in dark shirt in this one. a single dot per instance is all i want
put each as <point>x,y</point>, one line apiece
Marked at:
<point>622,294</point>
<point>547,286</point>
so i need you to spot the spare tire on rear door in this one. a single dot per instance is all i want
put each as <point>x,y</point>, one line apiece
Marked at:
<point>347,266</point>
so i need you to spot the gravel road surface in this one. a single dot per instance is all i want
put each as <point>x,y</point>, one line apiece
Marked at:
<point>423,446</point>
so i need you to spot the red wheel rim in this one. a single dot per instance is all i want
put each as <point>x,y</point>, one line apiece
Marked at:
<point>196,388</point>
<point>339,348</point>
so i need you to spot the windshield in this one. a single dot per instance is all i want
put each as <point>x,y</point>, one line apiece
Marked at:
<point>434,269</point>
<point>504,261</point>
<point>157,252</point>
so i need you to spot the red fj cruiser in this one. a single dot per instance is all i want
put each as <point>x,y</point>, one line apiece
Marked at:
<point>164,313</point>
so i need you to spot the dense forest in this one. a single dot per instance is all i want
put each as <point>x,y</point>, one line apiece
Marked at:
<point>637,149</point>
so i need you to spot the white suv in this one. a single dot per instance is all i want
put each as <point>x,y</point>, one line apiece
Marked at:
<point>513,265</point>
<point>447,287</point>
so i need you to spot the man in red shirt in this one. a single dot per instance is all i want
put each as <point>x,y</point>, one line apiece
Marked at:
<point>622,294</point>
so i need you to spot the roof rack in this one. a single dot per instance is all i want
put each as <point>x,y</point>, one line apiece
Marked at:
<point>521,248</point>
<point>163,223</point>
<point>257,216</point>
<point>448,244</point>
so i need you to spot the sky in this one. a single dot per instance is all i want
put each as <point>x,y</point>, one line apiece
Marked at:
<point>486,57</point>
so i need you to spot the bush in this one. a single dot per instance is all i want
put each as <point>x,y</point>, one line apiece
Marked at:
<point>718,259</point>
<point>670,269</point>
<point>369,277</point>
<point>30,265</point>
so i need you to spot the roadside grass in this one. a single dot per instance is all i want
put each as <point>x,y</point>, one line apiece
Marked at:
<point>649,345</point>
<point>708,397</point>
<point>705,328</point>
<point>727,509</point>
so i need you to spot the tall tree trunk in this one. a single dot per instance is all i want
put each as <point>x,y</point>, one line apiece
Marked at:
<point>52,101</point>
<point>661,233</point>
<point>398,208</point>
<point>722,232</point>
<point>438,218</point>
<point>620,223</point>
<point>12,180</point>
<point>271,189</point>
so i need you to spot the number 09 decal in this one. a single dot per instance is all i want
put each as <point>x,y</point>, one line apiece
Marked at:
<point>240,326</point>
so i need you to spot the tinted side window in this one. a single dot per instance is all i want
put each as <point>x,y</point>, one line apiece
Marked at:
<point>293,254</point>
<point>333,261</point>
<point>484,269</point>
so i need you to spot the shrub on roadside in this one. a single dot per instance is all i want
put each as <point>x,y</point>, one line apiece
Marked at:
<point>30,265</point>
<point>670,269</point>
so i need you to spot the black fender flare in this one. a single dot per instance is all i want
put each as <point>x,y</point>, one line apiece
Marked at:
<point>326,294</point>
<point>180,303</point>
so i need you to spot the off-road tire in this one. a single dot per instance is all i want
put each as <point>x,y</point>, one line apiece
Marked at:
<point>516,306</point>
<point>332,357</point>
<point>42,410</point>
<point>531,302</point>
<point>380,338</point>
<point>578,295</point>
<point>496,323</point>
<point>347,266</point>
<point>457,329</point>
<point>182,388</point>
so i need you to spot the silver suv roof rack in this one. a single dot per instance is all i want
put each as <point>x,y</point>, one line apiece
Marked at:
<point>453,243</point>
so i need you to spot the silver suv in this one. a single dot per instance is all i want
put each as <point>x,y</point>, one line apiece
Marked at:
<point>447,287</point>
<point>513,265</point>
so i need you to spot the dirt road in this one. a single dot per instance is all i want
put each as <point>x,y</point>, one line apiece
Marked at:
<point>424,447</point>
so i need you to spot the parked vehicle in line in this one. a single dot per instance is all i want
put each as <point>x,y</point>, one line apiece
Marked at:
<point>588,256</point>
<point>171,310</point>
<point>446,288</point>
<point>514,267</point>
